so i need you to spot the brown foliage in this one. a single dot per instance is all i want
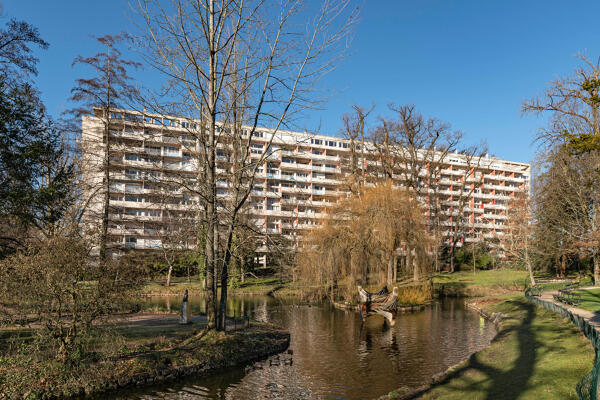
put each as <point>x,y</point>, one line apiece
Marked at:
<point>54,289</point>
<point>362,240</point>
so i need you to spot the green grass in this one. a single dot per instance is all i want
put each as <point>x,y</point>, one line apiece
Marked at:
<point>500,277</point>
<point>536,355</point>
<point>590,299</point>
<point>194,286</point>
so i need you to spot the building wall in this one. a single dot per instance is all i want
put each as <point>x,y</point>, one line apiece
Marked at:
<point>301,178</point>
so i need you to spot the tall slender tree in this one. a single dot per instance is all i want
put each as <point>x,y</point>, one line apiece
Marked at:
<point>109,88</point>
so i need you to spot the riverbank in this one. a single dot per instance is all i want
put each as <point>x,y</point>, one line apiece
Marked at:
<point>147,355</point>
<point>251,287</point>
<point>457,284</point>
<point>536,354</point>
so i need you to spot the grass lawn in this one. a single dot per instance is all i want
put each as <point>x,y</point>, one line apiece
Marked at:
<point>494,277</point>
<point>590,299</point>
<point>179,286</point>
<point>537,355</point>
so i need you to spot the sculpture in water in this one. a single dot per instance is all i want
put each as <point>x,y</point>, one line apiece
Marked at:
<point>383,303</point>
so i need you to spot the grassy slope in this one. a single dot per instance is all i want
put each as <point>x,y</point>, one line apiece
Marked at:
<point>537,355</point>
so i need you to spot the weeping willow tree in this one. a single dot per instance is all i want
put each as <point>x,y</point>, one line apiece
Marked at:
<point>373,238</point>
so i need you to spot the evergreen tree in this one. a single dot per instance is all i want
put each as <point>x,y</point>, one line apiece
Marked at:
<point>35,180</point>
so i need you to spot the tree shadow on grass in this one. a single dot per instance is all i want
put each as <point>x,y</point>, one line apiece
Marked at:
<point>504,383</point>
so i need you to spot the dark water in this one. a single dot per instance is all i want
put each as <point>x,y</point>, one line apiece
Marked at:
<point>334,357</point>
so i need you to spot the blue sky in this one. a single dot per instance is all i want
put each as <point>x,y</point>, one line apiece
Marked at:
<point>469,63</point>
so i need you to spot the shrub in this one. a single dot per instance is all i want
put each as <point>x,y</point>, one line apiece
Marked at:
<point>56,289</point>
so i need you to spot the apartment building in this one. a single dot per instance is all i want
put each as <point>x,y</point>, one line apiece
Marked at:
<point>300,177</point>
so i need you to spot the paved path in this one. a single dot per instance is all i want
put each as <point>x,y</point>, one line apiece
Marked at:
<point>592,317</point>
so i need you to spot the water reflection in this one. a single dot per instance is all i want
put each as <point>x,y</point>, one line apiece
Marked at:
<point>334,355</point>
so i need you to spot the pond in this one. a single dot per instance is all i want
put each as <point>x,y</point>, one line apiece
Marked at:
<point>334,355</point>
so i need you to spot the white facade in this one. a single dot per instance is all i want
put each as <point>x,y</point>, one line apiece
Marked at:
<point>300,180</point>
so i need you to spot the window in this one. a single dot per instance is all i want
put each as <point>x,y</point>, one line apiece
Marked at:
<point>134,212</point>
<point>132,172</point>
<point>316,141</point>
<point>171,151</point>
<point>137,199</point>
<point>133,188</point>
<point>331,143</point>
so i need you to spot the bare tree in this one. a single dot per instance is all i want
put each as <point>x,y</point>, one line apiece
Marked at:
<point>519,236</point>
<point>412,149</point>
<point>573,104</point>
<point>110,87</point>
<point>355,130</point>
<point>566,207</point>
<point>470,180</point>
<point>247,63</point>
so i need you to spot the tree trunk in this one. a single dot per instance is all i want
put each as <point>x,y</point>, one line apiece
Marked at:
<point>409,262</point>
<point>242,269</point>
<point>211,207</point>
<point>596,259</point>
<point>452,257</point>
<point>390,270</point>
<point>169,276</point>
<point>416,271</point>
<point>106,184</point>
<point>529,266</point>
<point>474,257</point>
<point>224,278</point>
